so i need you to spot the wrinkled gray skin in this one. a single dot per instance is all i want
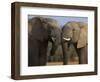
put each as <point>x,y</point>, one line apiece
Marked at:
<point>75,33</point>
<point>41,30</point>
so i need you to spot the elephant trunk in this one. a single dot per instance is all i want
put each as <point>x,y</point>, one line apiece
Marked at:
<point>65,48</point>
<point>56,42</point>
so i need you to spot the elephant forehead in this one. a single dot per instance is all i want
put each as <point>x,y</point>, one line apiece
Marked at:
<point>53,25</point>
<point>66,28</point>
<point>51,22</point>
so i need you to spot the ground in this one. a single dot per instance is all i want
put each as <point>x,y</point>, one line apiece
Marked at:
<point>72,62</point>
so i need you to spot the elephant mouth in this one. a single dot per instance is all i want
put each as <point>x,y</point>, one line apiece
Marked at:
<point>67,39</point>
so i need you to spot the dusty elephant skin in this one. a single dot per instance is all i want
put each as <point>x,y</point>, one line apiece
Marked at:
<point>41,30</point>
<point>75,33</point>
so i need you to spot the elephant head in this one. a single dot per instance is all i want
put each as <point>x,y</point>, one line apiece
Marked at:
<point>45,29</point>
<point>75,32</point>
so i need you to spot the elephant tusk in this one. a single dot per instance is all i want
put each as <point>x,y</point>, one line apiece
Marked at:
<point>53,39</point>
<point>68,39</point>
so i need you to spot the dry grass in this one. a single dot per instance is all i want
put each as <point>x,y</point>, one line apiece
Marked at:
<point>61,63</point>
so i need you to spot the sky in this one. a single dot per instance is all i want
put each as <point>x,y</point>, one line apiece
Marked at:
<point>64,19</point>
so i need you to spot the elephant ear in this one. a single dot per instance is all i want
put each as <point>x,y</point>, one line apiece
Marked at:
<point>82,41</point>
<point>37,29</point>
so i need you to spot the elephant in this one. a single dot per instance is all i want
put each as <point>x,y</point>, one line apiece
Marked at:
<point>75,33</point>
<point>42,30</point>
<point>57,57</point>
